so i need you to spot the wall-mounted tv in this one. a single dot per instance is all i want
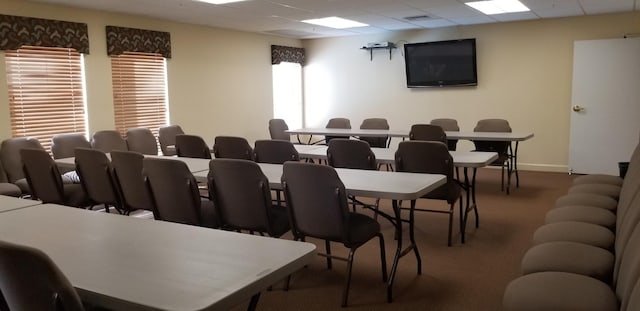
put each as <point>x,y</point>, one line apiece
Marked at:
<point>441,63</point>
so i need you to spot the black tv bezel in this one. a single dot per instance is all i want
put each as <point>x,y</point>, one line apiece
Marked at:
<point>441,83</point>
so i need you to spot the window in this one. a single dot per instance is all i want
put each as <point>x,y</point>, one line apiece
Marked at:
<point>46,92</point>
<point>287,93</point>
<point>139,91</point>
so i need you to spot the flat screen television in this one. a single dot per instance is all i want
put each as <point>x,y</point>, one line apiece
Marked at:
<point>441,63</point>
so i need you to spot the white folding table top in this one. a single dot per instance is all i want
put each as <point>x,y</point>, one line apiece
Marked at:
<point>194,164</point>
<point>8,203</point>
<point>467,135</point>
<point>125,263</point>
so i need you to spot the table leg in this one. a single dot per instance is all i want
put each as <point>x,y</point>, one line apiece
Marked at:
<point>253,303</point>
<point>515,165</point>
<point>400,252</point>
<point>470,188</point>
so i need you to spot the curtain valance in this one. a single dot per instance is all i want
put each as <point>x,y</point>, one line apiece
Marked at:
<point>288,54</point>
<point>122,39</point>
<point>16,31</point>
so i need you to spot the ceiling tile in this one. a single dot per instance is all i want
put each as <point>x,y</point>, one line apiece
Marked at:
<point>507,17</point>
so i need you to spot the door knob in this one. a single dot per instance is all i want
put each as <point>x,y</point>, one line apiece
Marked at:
<point>577,108</point>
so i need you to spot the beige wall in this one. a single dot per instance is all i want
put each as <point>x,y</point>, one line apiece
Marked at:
<point>524,73</point>
<point>219,80</point>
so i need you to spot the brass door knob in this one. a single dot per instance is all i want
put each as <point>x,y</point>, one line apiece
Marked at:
<point>577,108</point>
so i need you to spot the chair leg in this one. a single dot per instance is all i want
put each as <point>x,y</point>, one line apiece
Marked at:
<point>345,292</point>
<point>452,205</point>
<point>502,175</point>
<point>327,245</point>
<point>383,258</point>
<point>375,214</point>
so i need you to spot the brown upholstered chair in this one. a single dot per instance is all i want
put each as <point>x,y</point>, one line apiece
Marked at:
<point>7,188</point>
<point>274,151</point>
<point>427,132</point>
<point>45,181</point>
<point>127,169</point>
<point>12,161</point>
<point>167,137</point>
<point>142,140</point>
<point>97,179</point>
<point>501,147</point>
<point>232,147</point>
<point>108,140</point>
<point>318,208</point>
<point>64,145</point>
<point>174,193</point>
<point>277,128</point>
<point>448,125</point>
<point>375,124</point>
<point>242,198</point>
<point>337,123</point>
<point>192,146</point>
<point>30,280</point>
<point>432,157</point>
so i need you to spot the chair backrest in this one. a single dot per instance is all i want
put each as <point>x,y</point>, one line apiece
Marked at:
<point>317,201</point>
<point>448,125</point>
<point>96,176</point>
<point>42,175</point>
<point>375,124</point>
<point>430,157</point>
<point>493,125</point>
<point>351,153</point>
<point>64,145</point>
<point>427,132</point>
<point>142,140</point>
<point>108,140</point>
<point>277,128</point>
<point>127,168</point>
<point>232,147</point>
<point>241,194</point>
<point>10,155</point>
<point>174,191</point>
<point>274,151</point>
<point>192,146</point>
<point>337,123</point>
<point>30,280</point>
<point>167,137</point>
<point>3,173</point>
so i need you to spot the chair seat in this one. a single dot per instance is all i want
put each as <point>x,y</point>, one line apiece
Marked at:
<point>208,214</point>
<point>362,228</point>
<point>23,185</point>
<point>75,195</point>
<point>588,214</point>
<point>603,189</point>
<point>588,199</point>
<point>575,231</point>
<point>10,189</point>
<point>569,257</point>
<point>449,191</point>
<point>279,218</point>
<point>598,179</point>
<point>559,291</point>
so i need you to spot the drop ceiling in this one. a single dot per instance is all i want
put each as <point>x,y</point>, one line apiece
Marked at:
<point>282,17</point>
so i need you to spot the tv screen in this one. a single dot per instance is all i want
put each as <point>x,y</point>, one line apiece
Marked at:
<point>441,63</point>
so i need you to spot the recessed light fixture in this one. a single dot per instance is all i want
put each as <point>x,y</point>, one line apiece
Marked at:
<point>491,7</point>
<point>219,1</point>
<point>334,22</point>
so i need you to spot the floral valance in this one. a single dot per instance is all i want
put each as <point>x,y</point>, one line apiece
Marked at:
<point>16,31</point>
<point>288,54</point>
<point>122,39</point>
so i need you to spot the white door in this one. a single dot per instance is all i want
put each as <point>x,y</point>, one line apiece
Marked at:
<point>605,108</point>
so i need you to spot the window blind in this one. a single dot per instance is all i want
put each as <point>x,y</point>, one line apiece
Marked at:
<point>139,91</point>
<point>46,97</point>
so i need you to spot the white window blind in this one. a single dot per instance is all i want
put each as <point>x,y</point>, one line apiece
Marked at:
<point>139,91</point>
<point>46,96</point>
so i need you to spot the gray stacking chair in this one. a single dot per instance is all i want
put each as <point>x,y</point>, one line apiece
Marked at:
<point>448,125</point>
<point>64,145</point>
<point>7,188</point>
<point>232,147</point>
<point>167,137</point>
<point>192,146</point>
<point>277,128</point>
<point>108,140</point>
<point>433,157</point>
<point>45,181</point>
<point>30,280</point>
<point>97,179</point>
<point>174,193</point>
<point>127,169</point>
<point>242,198</point>
<point>12,161</point>
<point>375,124</point>
<point>318,208</point>
<point>337,123</point>
<point>427,132</point>
<point>501,147</point>
<point>142,140</point>
<point>274,151</point>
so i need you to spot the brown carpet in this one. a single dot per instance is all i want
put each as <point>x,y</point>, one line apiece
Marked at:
<point>470,276</point>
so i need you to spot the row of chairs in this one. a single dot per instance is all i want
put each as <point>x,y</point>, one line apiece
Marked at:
<point>587,254</point>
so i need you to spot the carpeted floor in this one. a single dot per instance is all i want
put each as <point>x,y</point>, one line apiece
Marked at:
<point>470,276</point>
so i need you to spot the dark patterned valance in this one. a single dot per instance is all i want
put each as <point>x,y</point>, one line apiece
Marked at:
<point>16,31</point>
<point>122,39</point>
<point>288,54</point>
